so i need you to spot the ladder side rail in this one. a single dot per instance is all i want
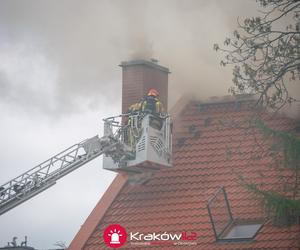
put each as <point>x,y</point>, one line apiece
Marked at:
<point>28,184</point>
<point>7,190</point>
<point>45,169</point>
<point>40,166</point>
<point>21,197</point>
<point>71,167</point>
<point>62,164</point>
<point>22,179</point>
<point>51,177</point>
<point>44,175</point>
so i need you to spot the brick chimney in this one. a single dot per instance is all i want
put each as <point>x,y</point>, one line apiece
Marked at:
<point>138,76</point>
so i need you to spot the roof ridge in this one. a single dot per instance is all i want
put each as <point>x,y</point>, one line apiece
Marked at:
<point>228,99</point>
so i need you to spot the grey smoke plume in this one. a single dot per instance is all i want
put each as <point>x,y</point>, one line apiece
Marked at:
<point>78,45</point>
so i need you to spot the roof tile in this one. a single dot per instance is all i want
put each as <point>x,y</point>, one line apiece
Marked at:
<point>175,200</point>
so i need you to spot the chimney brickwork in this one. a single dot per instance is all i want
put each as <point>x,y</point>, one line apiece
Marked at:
<point>138,77</point>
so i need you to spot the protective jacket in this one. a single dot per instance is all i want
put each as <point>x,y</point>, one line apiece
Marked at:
<point>152,104</point>
<point>135,107</point>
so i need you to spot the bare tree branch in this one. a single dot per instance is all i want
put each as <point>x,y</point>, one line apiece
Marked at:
<point>263,57</point>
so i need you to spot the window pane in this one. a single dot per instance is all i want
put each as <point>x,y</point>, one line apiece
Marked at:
<point>242,231</point>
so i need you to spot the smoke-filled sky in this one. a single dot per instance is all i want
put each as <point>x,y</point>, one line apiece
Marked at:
<point>59,77</point>
<point>57,57</point>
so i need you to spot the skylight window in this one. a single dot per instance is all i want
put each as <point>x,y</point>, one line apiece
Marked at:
<point>242,231</point>
<point>225,227</point>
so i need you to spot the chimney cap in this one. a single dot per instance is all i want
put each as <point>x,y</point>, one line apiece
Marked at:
<point>154,60</point>
<point>152,64</point>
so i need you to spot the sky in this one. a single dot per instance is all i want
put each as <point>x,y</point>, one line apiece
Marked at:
<point>59,77</point>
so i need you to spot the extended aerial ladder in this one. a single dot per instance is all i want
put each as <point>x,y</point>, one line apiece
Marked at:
<point>142,145</point>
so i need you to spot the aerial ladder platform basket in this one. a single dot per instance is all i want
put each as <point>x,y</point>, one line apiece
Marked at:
<point>132,143</point>
<point>147,139</point>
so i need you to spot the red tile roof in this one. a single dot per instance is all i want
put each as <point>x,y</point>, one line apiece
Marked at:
<point>98,212</point>
<point>175,200</point>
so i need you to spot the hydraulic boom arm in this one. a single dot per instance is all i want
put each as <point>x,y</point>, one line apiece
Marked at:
<point>47,173</point>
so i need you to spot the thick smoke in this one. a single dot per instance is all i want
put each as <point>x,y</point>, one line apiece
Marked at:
<point>78,45</point>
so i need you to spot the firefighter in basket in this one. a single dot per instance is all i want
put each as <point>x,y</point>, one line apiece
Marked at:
<point>151,104</point>
<point>133,123</point>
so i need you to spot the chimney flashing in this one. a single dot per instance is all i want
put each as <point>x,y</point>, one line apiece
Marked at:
<point>144,62</point>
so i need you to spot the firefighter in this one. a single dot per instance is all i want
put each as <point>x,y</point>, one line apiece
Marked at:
<point>132,128</point>
<point>152,104</point>
<point>134,109</point>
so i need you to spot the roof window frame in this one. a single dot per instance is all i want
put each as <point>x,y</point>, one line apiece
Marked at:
<point>221,235</point>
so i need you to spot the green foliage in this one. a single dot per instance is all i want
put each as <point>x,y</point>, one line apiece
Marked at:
<point>283,208</point>
<point>283,142</point>
<point>284,211</point>
<point>265,53</point>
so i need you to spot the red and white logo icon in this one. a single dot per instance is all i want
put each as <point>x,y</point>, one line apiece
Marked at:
<point>114,236</point>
